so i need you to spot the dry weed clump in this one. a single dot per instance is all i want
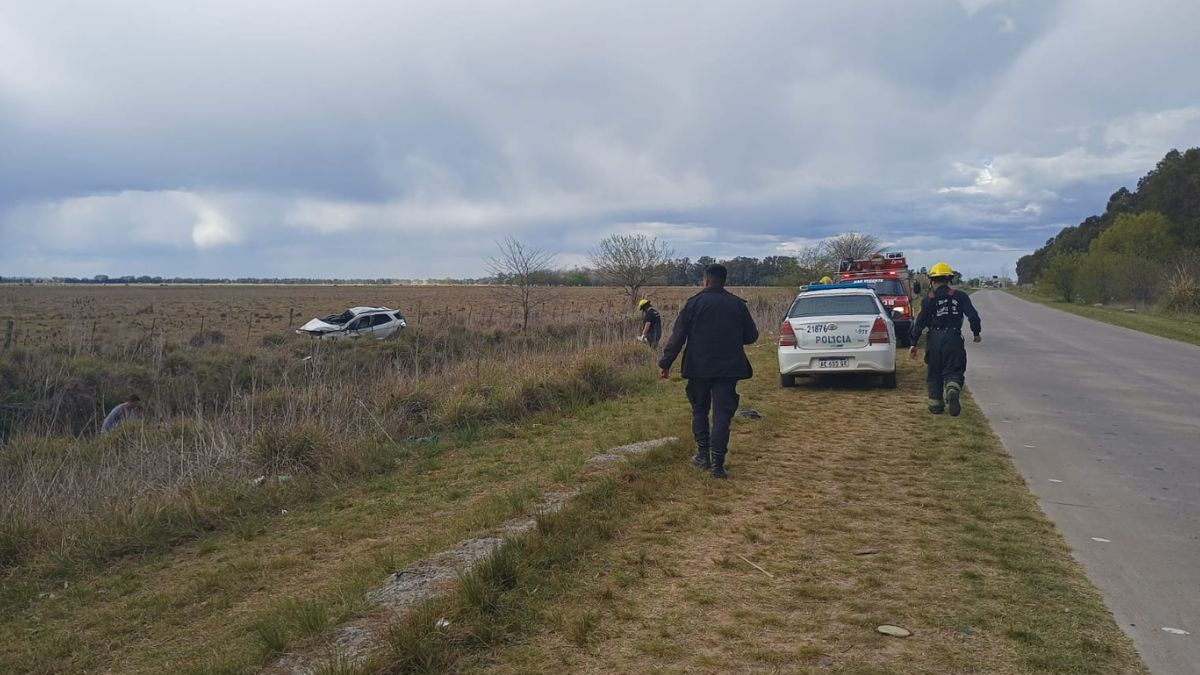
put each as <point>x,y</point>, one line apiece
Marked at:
<point>1183,289</point>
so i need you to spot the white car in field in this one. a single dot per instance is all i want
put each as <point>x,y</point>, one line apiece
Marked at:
<point>837,329</point>
<point>376,322</point>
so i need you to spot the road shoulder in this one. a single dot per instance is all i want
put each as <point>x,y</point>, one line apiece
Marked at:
<point>823,535</point>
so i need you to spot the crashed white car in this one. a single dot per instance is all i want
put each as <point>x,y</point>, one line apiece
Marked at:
<point>376,322</point>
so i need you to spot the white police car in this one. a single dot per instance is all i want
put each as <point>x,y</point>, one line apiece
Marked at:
<point>837,329</point>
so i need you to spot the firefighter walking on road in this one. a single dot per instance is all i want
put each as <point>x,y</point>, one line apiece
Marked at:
<point>942,312</point>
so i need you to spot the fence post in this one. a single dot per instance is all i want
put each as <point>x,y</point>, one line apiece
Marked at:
<point>8,334</point>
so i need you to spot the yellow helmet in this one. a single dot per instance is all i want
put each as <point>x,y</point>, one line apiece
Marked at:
<point>940,270</point>
<point>826,280</point>
<point>642,303</point>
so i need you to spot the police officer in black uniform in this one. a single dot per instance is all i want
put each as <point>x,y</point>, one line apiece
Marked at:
<point>716,325</point>
<point>651,324</point>
<point>942,311</point>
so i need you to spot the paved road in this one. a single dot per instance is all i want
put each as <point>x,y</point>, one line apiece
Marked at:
<point>1104,423</point>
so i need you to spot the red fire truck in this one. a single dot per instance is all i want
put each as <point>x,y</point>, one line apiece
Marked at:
<point>887,273</point>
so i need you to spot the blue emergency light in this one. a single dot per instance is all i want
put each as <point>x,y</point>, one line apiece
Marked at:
<point>858,283</point>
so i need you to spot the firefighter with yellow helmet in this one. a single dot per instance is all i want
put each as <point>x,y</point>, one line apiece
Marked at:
<point>942,312</point>
<point>826,280</point>
<point>651,331</point>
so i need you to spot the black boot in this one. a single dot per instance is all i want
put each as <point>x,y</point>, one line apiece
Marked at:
<point>718,466</point>
<point>953,393</point>
<point>701,460</point>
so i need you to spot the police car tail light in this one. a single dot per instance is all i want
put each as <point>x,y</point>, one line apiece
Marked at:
<point>787,336</point>
<point>879,334</point>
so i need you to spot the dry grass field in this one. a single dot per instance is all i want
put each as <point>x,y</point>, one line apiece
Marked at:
<point>275,480</point>
<point>92,316</point>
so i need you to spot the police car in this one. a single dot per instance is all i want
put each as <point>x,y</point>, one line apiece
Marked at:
<point>837,329</point>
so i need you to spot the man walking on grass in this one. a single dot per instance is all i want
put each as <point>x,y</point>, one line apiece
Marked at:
<point>715,326</point>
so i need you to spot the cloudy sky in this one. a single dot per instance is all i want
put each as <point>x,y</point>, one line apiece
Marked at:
<point>398,138</point>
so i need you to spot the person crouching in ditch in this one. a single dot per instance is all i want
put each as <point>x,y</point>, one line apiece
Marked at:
<point>130,408</point>
<point>715,325</point>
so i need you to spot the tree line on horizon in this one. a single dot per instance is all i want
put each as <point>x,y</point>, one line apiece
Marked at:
<point>1144,248</point>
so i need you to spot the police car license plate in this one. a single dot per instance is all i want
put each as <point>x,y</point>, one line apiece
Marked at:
<point>833,363</point>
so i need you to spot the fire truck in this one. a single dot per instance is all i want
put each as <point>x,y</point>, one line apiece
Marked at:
<point>887,274</point>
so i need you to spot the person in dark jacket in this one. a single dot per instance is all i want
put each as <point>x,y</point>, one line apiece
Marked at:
<point>942,311</point>
<point>715,325</point>
<point>651,324</point>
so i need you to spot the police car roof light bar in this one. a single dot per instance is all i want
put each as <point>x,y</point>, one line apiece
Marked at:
<point>861,283</point>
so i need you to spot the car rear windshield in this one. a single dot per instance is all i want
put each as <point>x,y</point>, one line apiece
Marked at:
<point>886,286</point>
<point>832,305</point>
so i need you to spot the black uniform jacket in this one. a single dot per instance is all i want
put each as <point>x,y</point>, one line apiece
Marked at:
<point>944,309</point>
<point>715,325</point>
<point>652,317</point>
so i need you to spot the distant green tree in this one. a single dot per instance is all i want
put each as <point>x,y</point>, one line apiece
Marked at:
<point>1060,277</point>
<point>1171,188</point>
<point>1102,277</point>
<point>1146,235</point>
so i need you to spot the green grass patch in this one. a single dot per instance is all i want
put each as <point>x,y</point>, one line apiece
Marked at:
<point>1171,326</point>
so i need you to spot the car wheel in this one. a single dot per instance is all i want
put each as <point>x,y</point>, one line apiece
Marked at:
<point>889,380</point>
<point>787,381</point>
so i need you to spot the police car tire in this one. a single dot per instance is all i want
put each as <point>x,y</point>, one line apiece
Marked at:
<point>787,381</point>
<point>889,380</point>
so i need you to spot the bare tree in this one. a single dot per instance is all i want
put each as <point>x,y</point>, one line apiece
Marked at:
<point>853,246</point>
<point>630,261</point>
<point>814,262</point>
<point>520,271</point>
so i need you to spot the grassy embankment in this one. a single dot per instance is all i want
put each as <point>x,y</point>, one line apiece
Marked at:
<point>666,570</point>
<point>963,558</point>
<point>1171,326</point>
<point>649,570</point>
<point>222,582</point>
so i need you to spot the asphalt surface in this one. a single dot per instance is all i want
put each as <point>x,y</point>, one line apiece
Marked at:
<point>1104,423</point>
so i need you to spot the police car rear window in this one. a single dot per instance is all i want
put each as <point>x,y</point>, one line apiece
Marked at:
<point>832,305</point>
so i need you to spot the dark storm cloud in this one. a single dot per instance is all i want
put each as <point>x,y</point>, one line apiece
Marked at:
<point>403,139</point>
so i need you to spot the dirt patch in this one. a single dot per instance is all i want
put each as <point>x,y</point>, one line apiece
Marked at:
<point>626,451</point>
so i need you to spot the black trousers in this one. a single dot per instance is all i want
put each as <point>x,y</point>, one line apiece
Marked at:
<point>720,396</point>
<point>946,361</point>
